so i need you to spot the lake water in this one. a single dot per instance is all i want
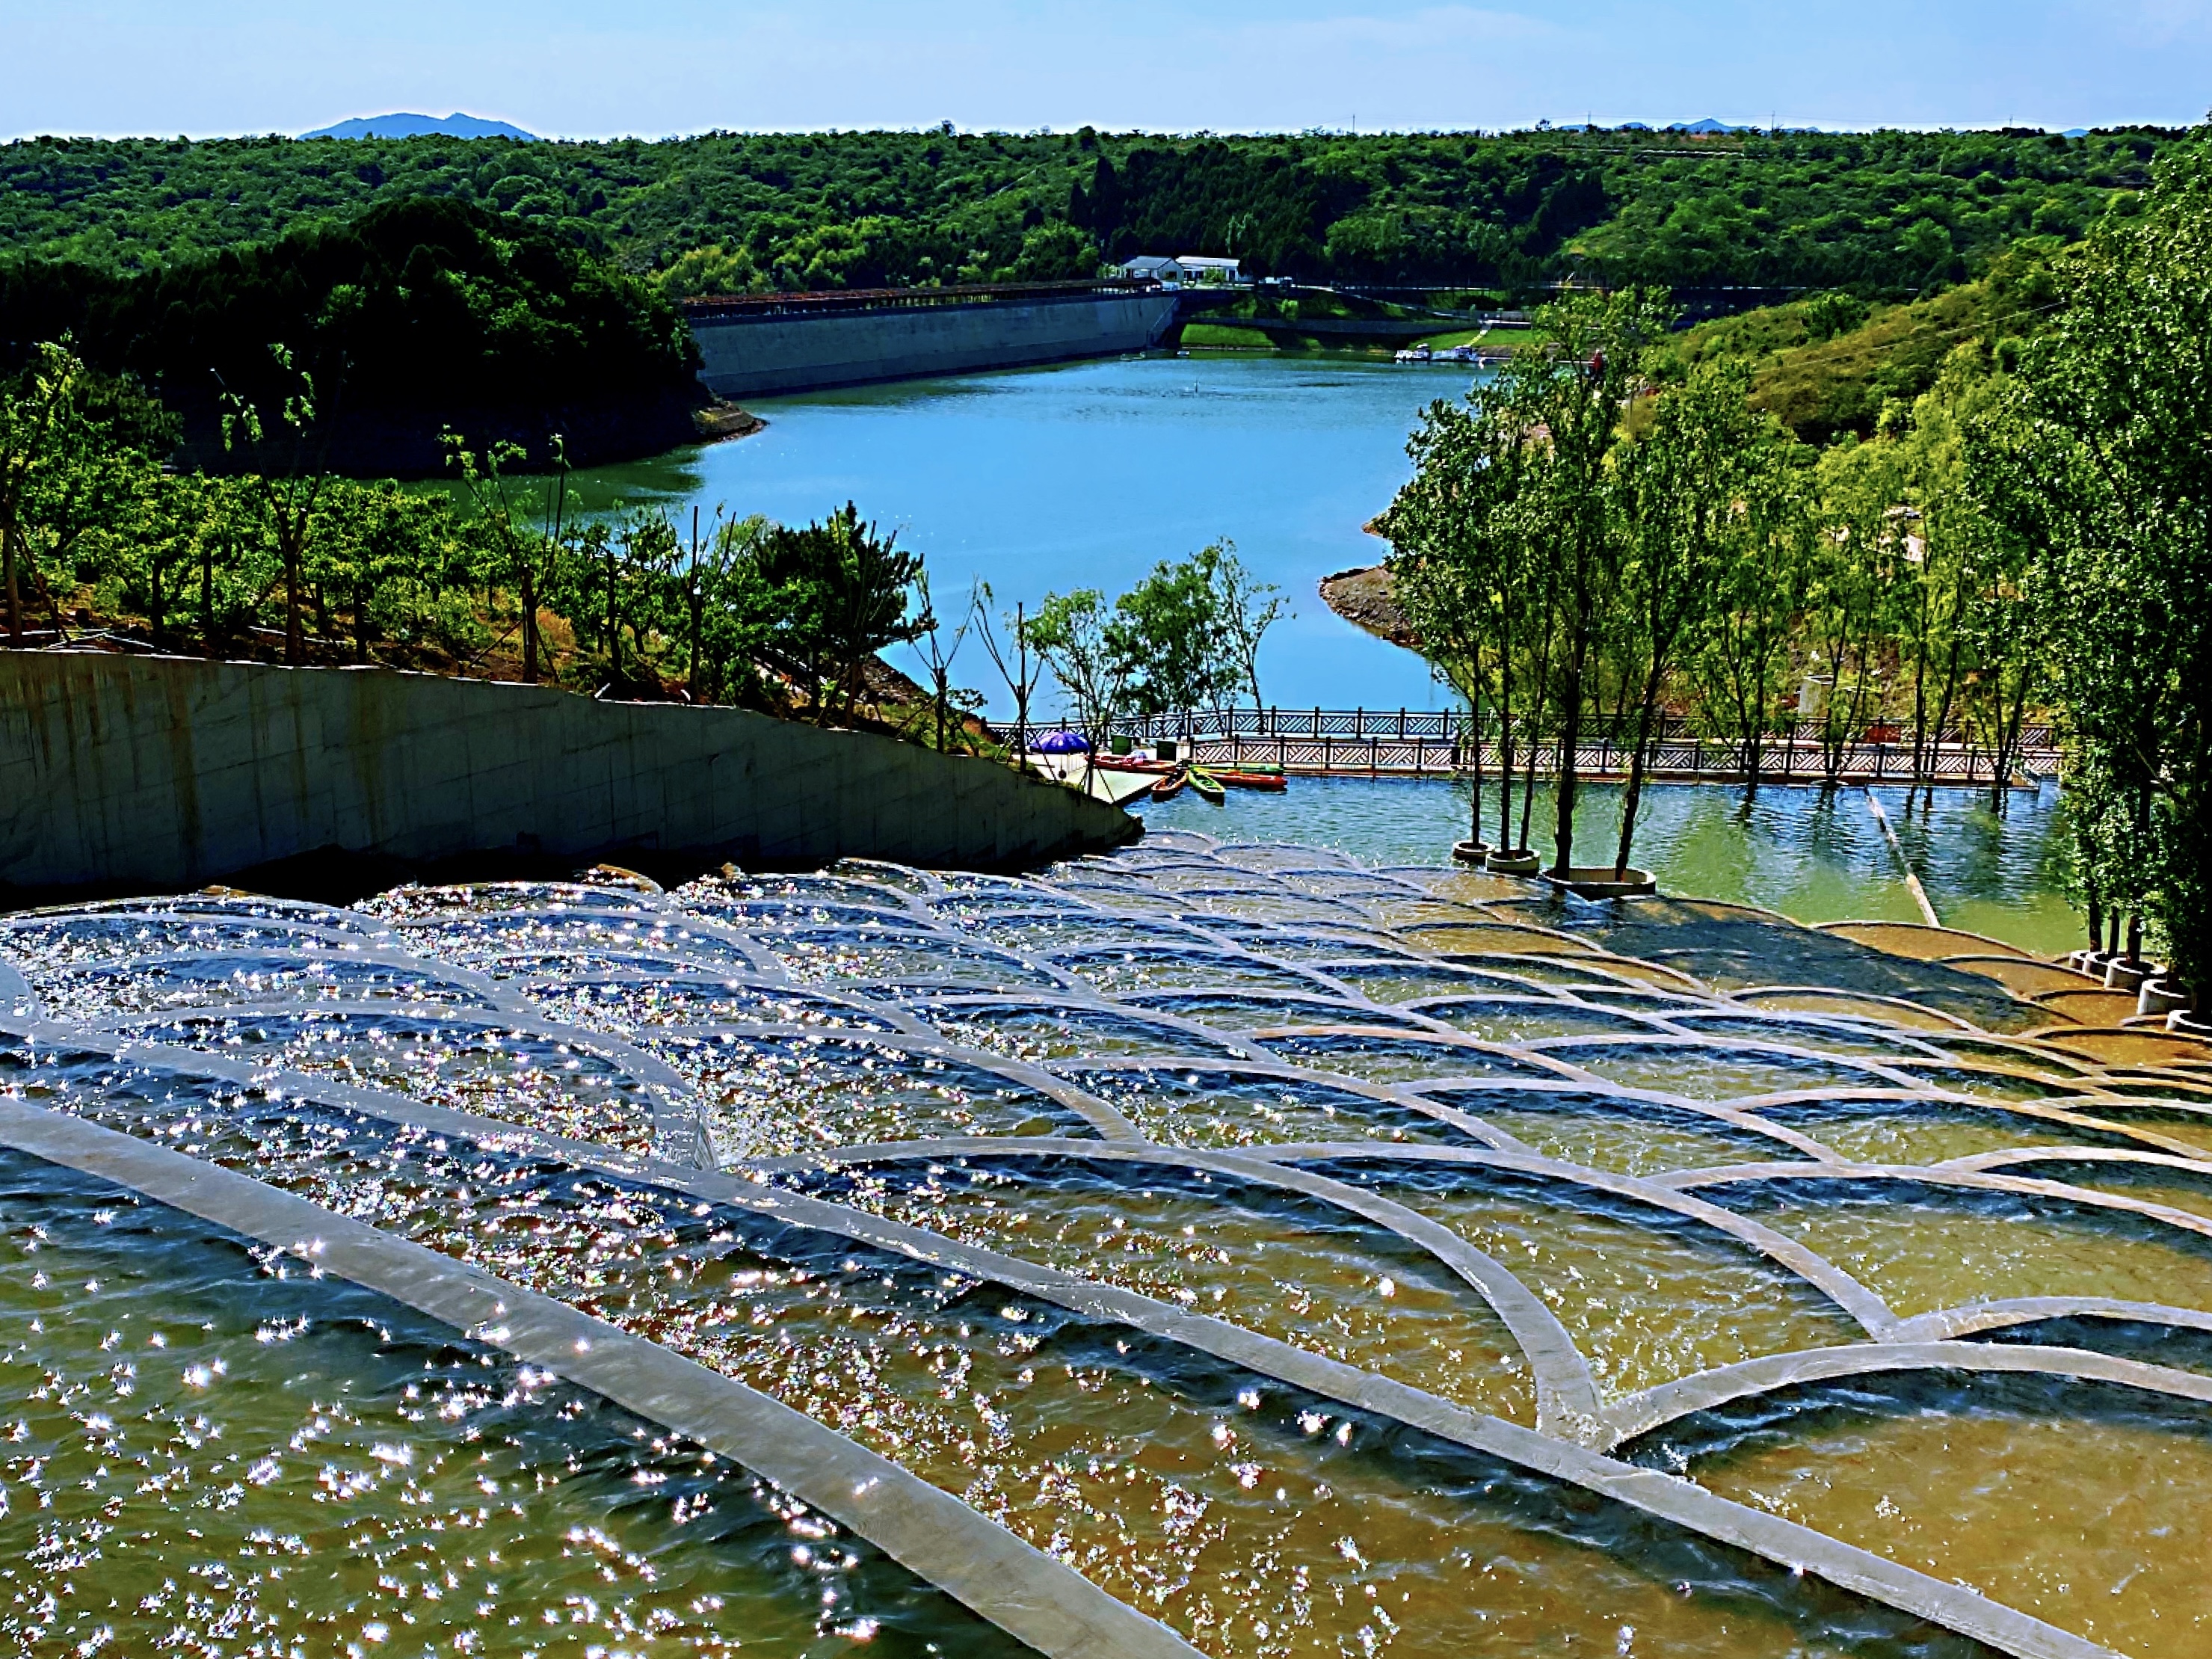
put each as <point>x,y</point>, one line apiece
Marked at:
<point>1813,856</point>
<point>1087,474</point>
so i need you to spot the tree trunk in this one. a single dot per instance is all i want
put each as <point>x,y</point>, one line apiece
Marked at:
<point>2096,923</point>
<point>529,625</point>
<point>1634,795</point>
<point>295,645</point>
<point>2008,733</point>
<point>8,540</point>
<point>1919,702</point>
<point>1570,729</point>
<point>1474,716</point>
<point>614,627</point>
<point>1505,841</point>
<point>1022,681</point>
<point>691,679</point>
<point>1943,709</point>
<point>1531,747</point>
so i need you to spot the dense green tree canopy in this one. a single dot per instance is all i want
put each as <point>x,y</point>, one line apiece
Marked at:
<point>1886,213</point>
<point>414,303</point>
<point>2100,462</point>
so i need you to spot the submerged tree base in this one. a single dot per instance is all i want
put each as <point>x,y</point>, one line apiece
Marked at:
<point>1598,881</point>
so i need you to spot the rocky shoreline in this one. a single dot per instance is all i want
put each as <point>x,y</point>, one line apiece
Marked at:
<point>1363,596</point>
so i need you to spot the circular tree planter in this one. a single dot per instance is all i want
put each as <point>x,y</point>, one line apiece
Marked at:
<point>1596,881</point>
<point>2182,1023</point>
<point>2163,996</point>
<point>2121,975</point>
<point>1513,861</point>
<point>1470,852</point>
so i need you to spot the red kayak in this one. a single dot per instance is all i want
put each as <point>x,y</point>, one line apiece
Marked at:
<point>1135,763</point>
<point>1171,786</point>
<point>1273,782</point>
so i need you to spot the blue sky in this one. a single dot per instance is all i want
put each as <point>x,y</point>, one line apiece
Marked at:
<point>565,68</point>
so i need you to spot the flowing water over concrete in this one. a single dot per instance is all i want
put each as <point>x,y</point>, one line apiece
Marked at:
<point>1313,1257</point>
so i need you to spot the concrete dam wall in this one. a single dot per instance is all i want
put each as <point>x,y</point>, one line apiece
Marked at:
<point>750,351</point>
<point>153,774</point>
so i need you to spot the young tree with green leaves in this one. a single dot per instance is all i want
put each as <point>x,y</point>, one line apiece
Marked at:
<point>872,587</point>
<point>2110,451</point>
<point>1682,488</point>
<point>510,544</point>
<point>1171,635</point>
<point>153,553</point>
<point>1019,664</point>
<point>1858,548</point>
<point>43,435</point>
<point>1458,558</point>
<point>1071,631</point>
<point>2004,620</point>
<point>735,617</point>
<point>1577,394</point>
<point>289,481</point>
<point>1759,595</point>
<point>389,557</point>
<point>75,451</point>
<point>939,652</point>
<point>1249,608</point>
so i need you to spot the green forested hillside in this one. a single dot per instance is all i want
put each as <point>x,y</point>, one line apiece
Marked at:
<point>1832,363</point>
<point>424,300</point>
<point>1888,215</point>
<point>414,314</point>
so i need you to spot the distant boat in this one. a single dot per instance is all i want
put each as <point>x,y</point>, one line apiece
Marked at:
<point>1419,354</point>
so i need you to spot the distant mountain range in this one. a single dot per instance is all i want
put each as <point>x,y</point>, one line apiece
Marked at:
<point>1708,125</point>
<point>456,125</point>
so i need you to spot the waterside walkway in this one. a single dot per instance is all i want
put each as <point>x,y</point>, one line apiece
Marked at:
<point>1431,742</point>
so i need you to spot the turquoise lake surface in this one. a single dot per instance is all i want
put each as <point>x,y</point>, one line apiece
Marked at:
<point>1087,474</point>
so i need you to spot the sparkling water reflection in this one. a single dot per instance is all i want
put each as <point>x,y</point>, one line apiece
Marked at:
<point>206,1454</point>
<point>1437,1128</point>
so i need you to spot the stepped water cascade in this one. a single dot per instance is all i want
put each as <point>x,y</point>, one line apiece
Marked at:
<point>1210,1247</point>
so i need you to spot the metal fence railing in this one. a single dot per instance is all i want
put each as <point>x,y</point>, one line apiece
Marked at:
<point>1444,742</point>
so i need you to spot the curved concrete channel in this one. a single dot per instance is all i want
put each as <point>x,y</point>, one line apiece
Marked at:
<point>1182,924</point>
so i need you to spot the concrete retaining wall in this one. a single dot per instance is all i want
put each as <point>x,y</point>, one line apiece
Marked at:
<point>755,356</point>
<point>163,773</point>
